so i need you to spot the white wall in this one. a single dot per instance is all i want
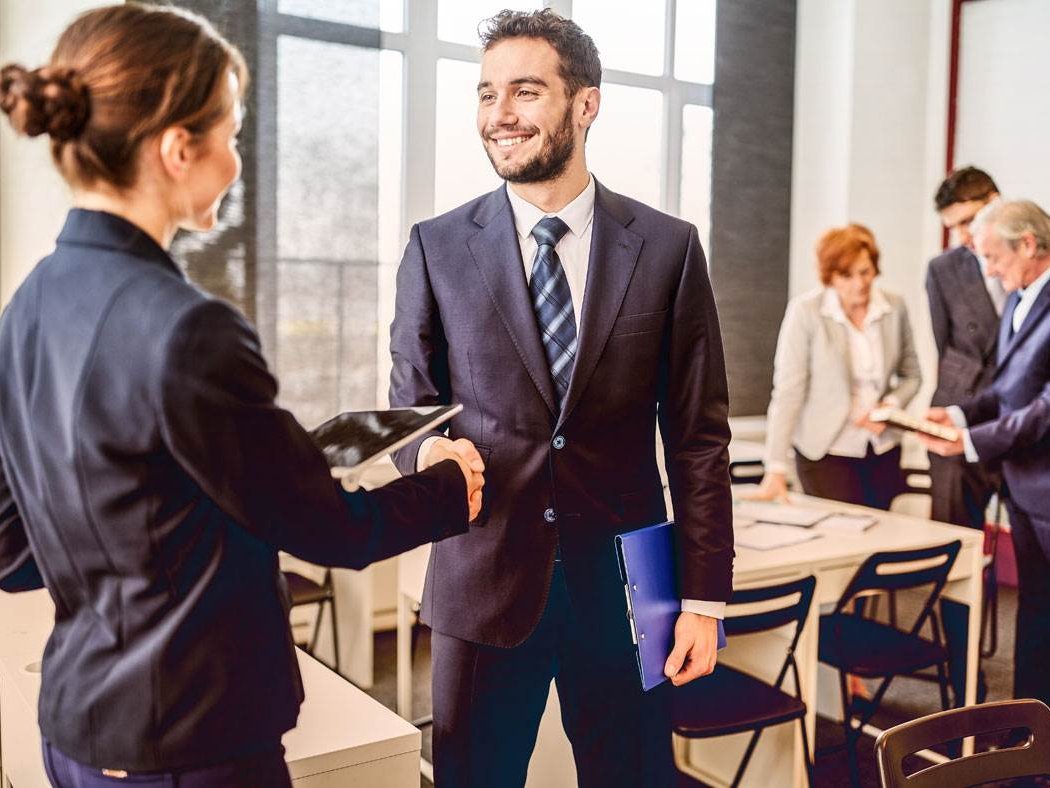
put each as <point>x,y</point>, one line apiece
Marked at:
<point>33,198</point>
<point>871,81</point>
<point>1004,81</point>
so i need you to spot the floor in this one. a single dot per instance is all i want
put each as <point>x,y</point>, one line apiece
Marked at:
<point>906,699</point>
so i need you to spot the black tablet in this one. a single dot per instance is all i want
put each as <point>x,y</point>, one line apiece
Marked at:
<point>353,439</point>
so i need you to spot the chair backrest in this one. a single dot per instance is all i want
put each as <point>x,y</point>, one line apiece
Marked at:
<point>1032,758</point>
<point>746,471</point>
<point>890,571</point>
<point>773,616</point>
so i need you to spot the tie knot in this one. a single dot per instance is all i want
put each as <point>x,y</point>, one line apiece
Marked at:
<point>549,231</point>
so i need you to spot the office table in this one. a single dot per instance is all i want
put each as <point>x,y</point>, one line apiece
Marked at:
<point>832,558</point>
<point>342,737</point>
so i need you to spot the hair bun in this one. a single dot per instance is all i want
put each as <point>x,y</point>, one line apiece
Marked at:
<point>48,100</point>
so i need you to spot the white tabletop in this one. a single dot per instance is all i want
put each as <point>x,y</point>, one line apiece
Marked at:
<point>891,532</point>
<point>339,725</point>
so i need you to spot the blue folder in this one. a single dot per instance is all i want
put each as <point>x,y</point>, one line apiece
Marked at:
<point>650,577</point>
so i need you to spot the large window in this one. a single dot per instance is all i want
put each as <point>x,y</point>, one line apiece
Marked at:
<point>365,125</point>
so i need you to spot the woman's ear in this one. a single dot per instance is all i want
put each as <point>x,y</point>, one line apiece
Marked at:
<point>176,152</point>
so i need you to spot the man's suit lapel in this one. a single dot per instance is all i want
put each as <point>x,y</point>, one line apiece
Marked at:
<point>497,254</point>
<point>973,291</point>
<point>614,254</point>
<point>1005,325</point>
<point>1039,310</point>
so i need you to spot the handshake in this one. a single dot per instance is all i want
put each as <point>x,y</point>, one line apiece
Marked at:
<point>462,451</point>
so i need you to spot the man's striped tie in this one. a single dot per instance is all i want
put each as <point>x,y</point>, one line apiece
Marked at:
<point>553,304</point>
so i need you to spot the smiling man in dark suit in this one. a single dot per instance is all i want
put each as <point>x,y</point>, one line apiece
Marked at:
<point>965,304</point>
<point>1010,420</point>
<point>568,320</point>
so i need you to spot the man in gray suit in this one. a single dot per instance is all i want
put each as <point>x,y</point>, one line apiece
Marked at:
<point>965,304</point>
<point>569,321</point>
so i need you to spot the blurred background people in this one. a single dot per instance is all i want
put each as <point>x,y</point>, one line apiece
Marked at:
<point>965,304</point>
<point>843,349</point>
<point>1009,421</point>
<point>147,477</point>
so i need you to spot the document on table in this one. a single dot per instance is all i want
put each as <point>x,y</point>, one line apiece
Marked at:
<point>848,523</point>
<point>783,513</point>
<point>769,536</point>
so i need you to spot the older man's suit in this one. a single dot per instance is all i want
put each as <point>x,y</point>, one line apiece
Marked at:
<point>564,482</point>
<point>965,328</point>
<point>1010,421</point>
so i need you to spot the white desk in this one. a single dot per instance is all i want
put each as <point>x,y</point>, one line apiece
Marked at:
<point>354,600</point>
<point>833,558</point>
<point>343,737</point>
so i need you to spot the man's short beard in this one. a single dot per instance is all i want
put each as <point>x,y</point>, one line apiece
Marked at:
<point>549,163</point>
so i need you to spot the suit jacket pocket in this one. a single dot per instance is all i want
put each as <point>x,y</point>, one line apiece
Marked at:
<point>640,323</point>
<point>958,372</point>
<point>486,491</point>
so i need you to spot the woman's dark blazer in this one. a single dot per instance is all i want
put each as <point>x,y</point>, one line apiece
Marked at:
<point>148,479</point>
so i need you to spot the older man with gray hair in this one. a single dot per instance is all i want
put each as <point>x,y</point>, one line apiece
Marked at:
<point>1009,421</point>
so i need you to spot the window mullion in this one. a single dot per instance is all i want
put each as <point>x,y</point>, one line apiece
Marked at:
<point>420,115</point>
<point>671,176</point>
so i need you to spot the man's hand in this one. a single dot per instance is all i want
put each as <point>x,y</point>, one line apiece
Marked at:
<point>939,416</point>
<point>466,456</point>
<point>695,648</point>
<point>942,447</point>
<point>936,445</point>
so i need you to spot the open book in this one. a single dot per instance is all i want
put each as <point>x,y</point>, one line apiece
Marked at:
<point>896,417</point>
<point>352,440</point>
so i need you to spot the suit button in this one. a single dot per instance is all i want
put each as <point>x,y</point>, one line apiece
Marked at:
<point>972,327</point>
<point>549,515</point>
<point>558,442</point>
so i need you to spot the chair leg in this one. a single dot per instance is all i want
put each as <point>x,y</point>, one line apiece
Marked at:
<point>990,614</point>
<point>746,759</point>
<point>317,628</point>
<point>335,632</point>
<point>847,724</point>
<point>805,752</point>
<point>942,680</point>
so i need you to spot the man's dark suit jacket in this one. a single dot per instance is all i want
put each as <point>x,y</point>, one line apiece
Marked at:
<point>147,475</point>
<point>649,350</point>
<point>965,325</point>
<point>1010,420</point>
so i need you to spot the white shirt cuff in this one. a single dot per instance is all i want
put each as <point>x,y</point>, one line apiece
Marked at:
<point>959,420</point>
<point>424,448</point>
<point>710,609</point>
<point>968,448</point>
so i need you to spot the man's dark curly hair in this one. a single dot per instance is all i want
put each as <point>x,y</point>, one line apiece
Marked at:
<point>580,66</point>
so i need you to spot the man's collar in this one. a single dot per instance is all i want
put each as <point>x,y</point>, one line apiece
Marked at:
<point>577,214</point>
<point>1037,284</point>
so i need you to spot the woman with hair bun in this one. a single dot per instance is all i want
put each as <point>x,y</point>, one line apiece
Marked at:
<point>147,478</point>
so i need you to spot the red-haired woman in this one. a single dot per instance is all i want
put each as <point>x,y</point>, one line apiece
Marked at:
<point>843,349</point>
<point>147,477</point>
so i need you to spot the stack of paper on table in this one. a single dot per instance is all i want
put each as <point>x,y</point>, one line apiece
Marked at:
<point>783,513</point>
<point>768,536</point>
<point>848,523</point>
